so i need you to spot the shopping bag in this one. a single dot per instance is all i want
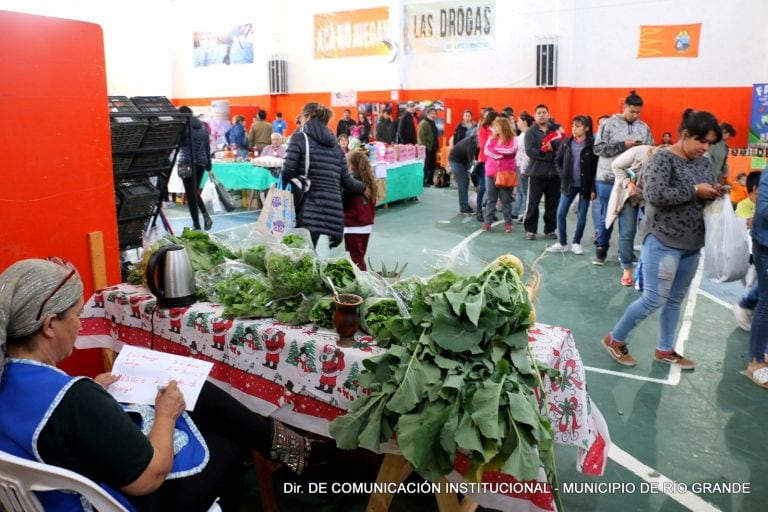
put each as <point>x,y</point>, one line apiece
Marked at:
<point>211,198</point>
<point>223,193</point>
<point>278,214</point>
<point>726,248</point>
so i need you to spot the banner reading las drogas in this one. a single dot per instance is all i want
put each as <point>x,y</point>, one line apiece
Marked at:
<point>450,26</point>
<point>351,33</point>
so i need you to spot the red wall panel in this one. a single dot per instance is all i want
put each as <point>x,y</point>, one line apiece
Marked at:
<point>55,151</point>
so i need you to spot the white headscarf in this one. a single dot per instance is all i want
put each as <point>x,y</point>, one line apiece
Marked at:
<point>23,288</point>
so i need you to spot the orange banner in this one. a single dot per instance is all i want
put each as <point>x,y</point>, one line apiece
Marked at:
<point>351,33</point>
<point>669,41</point>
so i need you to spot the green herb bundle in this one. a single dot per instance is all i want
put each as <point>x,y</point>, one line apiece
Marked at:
<point>254,256</point>
<point>292,271</point>
<point>204,252</point>
<point>245,296</point>
<point>293,310</point>
<point>459,377</point>
<point>341,273</point>
<point>376,317</point>
<point>322,311</point>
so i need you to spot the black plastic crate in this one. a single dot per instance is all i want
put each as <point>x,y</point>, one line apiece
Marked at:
<point>131,233</point>
<point>151,163</point>
<point>121,164</point>
<point>164,132</point>
<point>153,104</point>
<point>121,104</point>
<point>127,132</point>
<point>136,198</point>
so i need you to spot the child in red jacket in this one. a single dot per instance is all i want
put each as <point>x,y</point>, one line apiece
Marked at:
<point>360,210</point>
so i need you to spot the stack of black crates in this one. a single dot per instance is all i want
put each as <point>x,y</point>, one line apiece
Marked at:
<point>146,131</point>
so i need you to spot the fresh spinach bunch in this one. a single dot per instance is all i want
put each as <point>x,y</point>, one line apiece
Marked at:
<point>459,376</point>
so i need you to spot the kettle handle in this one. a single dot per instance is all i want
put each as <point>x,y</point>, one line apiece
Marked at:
<point>152,276</point>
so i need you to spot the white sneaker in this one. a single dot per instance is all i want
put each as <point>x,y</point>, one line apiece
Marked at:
<point>557,247</point>
<point>576,249</point>
<point>743,317</point>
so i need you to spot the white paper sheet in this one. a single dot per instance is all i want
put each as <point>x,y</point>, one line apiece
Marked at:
<point>142,372</point>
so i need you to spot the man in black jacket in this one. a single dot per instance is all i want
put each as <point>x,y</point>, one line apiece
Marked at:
<point>460,159</point>
<point>345,124</point>
<point>408,127</point>
<point>543,178</point>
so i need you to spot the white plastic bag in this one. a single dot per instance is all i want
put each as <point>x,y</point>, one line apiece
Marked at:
<point>726,249</point>
<point>211,198</point>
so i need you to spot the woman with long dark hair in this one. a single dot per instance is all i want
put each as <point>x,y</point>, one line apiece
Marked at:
<point>678,184</point>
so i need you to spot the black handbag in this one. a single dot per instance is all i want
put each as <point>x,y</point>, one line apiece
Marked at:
<point>226,199</point>
<point>184,171</point>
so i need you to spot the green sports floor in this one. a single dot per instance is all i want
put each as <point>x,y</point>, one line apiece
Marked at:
<point>703,432</point>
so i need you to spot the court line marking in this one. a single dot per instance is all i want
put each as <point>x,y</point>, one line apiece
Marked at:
<point>687,498</point>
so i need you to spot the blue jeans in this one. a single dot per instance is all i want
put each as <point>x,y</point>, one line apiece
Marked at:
<point>521,198</point>
<point>667,275</point>
<point>562,214</point>
<point>459,170</point>
<point>758,335</point>
<point>493,193</point>
<point>480,188</point>
<point>595,204</point>
<point>749,299</point>
<point>627,230</point>
<point>603,189</point>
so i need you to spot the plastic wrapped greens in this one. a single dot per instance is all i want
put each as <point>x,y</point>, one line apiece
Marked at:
<point>291,271</point>
<point>322,311</point>
<point>376,317</point>
<point>342,273</point>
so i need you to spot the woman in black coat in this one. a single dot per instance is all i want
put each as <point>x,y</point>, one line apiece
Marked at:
<point>321,211</point>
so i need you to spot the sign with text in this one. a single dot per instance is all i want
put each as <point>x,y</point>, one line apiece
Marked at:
<point>758,116</point>
<point>669,41</point>
<point>142,372</point>
<point>344,99</point>
<point>450,26</point>
<point>356,33</point>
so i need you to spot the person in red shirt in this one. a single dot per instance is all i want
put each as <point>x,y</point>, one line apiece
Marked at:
<point>359,210</point>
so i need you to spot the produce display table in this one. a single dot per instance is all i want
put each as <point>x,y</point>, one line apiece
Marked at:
<point>241,175</point>
<point>401,180</point>
<point>298,375</point>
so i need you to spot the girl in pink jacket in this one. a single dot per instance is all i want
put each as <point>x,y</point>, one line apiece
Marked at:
<point>500,151</point>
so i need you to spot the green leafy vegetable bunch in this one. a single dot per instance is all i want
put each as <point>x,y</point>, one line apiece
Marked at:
<point>458,377</point>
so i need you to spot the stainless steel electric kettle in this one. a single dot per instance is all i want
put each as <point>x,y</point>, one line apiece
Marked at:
<point>170,277</point>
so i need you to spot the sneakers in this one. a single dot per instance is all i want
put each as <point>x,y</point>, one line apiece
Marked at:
<point>486,227</point>
<point>508,228</point>
<point>743,317</point>
<point>576,249</point>
<point>618,351</point>
<point>674,359</point>
<point>530,236</point>
<point>551,236</point>
<point>557,247</point>
<point>467,211</point>
<point>600,254</point>
<point>520,219</point>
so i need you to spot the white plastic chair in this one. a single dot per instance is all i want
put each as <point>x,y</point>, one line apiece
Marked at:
<point>19,478</point>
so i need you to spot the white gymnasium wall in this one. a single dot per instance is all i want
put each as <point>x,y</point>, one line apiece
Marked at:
<point>136,39</point>
<point>149,50</point>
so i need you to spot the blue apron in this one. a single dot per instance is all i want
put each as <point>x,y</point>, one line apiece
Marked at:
<point>31,391</point>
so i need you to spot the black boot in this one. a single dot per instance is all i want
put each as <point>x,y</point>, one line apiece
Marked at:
<point>208,222</point>
<point>600,254</point>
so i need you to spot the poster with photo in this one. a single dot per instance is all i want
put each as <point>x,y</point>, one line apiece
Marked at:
<point>225,47</point>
